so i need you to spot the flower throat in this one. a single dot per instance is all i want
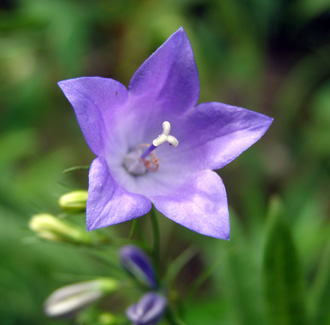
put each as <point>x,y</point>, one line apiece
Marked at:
<point>140,161</point>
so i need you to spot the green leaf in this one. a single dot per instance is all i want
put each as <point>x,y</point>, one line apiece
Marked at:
<point>283,285</point>
<point>320,295</point>
<point>179,263</point>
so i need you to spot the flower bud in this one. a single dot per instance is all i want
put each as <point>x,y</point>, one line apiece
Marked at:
<point>69,300</point>
<point>51,228</point>
<point>137,264</point>
<point>148,310</point>
<point>73,201</point>
<point>111,319</point>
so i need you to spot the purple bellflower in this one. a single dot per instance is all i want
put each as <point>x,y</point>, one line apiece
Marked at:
<point>135,166</point>
<point>148,310</point>
<point>136,262</point>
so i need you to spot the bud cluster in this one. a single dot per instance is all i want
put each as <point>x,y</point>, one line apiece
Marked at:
<point>52,228</point>
<point>71,299</point>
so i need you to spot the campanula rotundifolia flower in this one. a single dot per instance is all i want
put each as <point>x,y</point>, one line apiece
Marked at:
<point>155,145</point>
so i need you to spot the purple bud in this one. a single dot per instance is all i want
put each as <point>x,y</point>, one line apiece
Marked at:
<point>148,310</point>
<point>137,264</point>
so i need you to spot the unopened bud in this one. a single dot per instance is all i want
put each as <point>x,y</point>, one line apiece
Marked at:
<point>69,300</point>
<point>51,228</point>
<point>148,310</point>
<point>111,319</point>
<point>136,262</point>
<point>73,201</point>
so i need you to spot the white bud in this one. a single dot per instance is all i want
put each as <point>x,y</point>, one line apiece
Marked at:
<point>69,300</point>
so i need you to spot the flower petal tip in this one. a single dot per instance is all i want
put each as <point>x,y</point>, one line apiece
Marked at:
<point>91,227</point>
<point>270,121</point>
<point>181,30</point>
<point>227,237</point>
<point>266,123</point>
<point>64,83</point>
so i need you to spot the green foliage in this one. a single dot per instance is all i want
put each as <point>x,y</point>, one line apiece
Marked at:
<point>283,285</point>
<point>268,56</point>
<point>320,295</point>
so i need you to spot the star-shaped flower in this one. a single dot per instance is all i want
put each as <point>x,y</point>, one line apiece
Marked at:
<point>136,166</point>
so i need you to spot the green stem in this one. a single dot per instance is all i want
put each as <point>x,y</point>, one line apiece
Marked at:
<point>131,233</point>
<point>141,241</point>
<point>156,245</point>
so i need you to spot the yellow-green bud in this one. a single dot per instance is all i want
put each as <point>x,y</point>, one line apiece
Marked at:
<point>51,228</point>
<point>73,201</point>
<point>111,319</point>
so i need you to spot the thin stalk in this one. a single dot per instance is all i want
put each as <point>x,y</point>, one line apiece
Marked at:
<point>131,233</point>
<point>75,168</point>
<point>143,242</point>
<point>156,241</point>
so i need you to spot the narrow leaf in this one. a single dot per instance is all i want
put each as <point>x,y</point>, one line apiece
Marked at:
<point>178,263</point>
<point>320,295</point>
<point>282,276</point>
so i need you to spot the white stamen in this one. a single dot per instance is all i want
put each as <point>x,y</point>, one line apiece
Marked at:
<point>165,136</point>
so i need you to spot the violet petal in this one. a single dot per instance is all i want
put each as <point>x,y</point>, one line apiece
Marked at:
<point>92,98</point>
<point>200,205</point>
<point>166,85</point>
<point>169,75</point>
<point>107,202</point>
<point>214,134</point>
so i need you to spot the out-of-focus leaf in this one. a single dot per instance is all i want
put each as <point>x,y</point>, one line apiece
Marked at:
<point>311,8</point>
<point>316,135</point>
<point>177,264</point>
<point>237,275</point>
<point>320,105</point>
<point>282,276</point>
<point>16,145</point>
<point>311,230</point>
<point>211,311</point>
<point>296,88</point>
<point>320,295</point>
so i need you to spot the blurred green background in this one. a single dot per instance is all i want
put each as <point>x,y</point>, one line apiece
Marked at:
<point>271,56</point>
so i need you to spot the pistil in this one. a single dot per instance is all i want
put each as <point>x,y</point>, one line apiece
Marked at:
<point>162,138</point>
<point>148,151</point>
<point>138,162</point>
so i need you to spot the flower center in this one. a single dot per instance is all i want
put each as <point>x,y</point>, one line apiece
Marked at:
<point>140,161</point>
